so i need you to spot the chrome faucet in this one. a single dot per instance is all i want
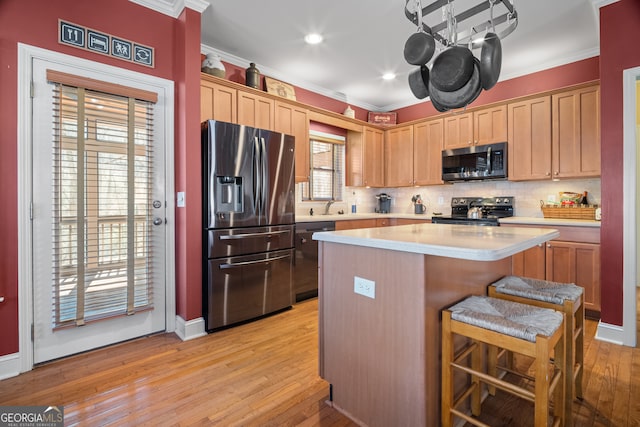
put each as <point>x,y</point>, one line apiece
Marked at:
<point>327,206</point>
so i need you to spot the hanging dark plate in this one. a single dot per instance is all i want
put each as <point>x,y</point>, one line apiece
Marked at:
<point>419,48</point>
<point>452,69</point>
<point>461,97</point>
<point>490,60</point>
<point>419,81</point>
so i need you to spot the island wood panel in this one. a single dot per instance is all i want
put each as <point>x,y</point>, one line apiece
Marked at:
<point>382,355</point>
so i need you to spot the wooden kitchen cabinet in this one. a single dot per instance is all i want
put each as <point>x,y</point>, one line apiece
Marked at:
<point>458,131</point>
<point>490,125</point>
<point>217,102</point>
<point>350,224</point>
<point>530,263</point>
<point>255,110</point>
<point>428,142</point>
<point>365,158</point>
<point>293,120</point>
<point>576,133</point>
<point>398,157</point>
<point>574,257</point>
<point>579,263</point>
<point>483,126</point>
<point>529,139</point>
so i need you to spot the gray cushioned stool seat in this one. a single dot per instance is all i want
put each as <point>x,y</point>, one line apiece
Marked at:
<point>541,290</point>
<point>507,317</point>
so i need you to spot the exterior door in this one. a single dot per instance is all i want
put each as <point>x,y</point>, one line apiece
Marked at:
<point>98,213</point>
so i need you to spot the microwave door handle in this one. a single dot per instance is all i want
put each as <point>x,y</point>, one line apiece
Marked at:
<point>489,161</point>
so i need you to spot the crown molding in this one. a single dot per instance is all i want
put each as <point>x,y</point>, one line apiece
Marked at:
<point>602,3</point>
<point>173,8</point>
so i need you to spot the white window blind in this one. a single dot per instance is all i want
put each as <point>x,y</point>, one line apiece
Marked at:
<point>101,186</point>
<point>326,181</point>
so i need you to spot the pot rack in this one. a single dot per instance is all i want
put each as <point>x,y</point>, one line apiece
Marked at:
<point>508,20</point>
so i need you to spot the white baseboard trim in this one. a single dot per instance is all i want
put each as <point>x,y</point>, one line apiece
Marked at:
<point>610,333</point>
<point>9,366</point>
<point>188,330</point>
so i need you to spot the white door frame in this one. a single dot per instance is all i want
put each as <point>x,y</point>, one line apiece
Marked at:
<point>165,89</point>
<point>626,335</point>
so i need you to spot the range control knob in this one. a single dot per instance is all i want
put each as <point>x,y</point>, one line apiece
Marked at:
<point>498,200</point>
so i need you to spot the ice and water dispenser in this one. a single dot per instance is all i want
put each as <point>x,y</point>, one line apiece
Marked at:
<point>229,194</point>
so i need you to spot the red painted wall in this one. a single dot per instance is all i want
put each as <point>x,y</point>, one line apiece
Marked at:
<point>619,35</point>
<point>35,22</point>
<point>554,78</point>
<point>187,164</point>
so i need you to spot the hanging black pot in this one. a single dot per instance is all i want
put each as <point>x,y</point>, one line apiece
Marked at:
<point>458,98</point>
<point>452,69</point>
<point>419,82</point>
<point>419,48</point>
<point>490,60</point>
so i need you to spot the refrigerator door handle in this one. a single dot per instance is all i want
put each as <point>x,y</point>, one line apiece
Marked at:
<point>249,235</point>
<point>257,179</point>
<point>245,263</point>
<point>265,175</point>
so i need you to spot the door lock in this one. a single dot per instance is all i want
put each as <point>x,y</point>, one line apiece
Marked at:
<point>157,221</point>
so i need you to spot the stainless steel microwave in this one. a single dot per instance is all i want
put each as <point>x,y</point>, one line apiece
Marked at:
<point>475,163</point>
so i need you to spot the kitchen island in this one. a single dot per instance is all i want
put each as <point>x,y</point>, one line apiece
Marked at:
<point>380,337</point>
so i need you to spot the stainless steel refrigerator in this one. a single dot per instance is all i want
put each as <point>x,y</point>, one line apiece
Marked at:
<point>249,221</point>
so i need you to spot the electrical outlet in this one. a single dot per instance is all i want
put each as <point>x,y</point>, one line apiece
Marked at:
<point>364,287</point>
<point>440,200</point>
<point>551,198</point>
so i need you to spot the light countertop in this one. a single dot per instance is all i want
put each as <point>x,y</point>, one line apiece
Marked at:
<point>427,217</point>
<point>551,221</point>
<point>453,241</point>
<point>358,216</point>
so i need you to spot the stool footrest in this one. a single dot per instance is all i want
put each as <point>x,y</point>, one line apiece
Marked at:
<point>501,384</point>
<point>469,419</point>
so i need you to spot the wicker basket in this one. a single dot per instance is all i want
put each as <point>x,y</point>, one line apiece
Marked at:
<point>569,212</point>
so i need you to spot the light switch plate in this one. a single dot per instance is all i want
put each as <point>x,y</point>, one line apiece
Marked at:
<point>364,287</point>
<point>180,199</point>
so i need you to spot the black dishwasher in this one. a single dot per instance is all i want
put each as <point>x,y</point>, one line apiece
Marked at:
<point>305,271</point>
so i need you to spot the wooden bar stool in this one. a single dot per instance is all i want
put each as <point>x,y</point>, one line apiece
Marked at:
<point>564,297</point>
<point>520,328</point>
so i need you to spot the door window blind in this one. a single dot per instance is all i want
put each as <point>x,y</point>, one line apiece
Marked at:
<point>101,200</point>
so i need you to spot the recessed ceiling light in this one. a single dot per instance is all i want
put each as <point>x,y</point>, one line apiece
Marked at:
<point>389,76</point>
<point>313,38</point>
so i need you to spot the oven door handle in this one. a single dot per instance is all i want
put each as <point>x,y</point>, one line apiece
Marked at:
<point>489,171</point>
<point>245,263</point>
<point>250,235</point>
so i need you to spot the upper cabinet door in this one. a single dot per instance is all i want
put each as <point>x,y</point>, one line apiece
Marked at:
<point>398,157</point>
<point>373,155</point>
<point>458,131</point>
<point>529,148</point>
<point>255,111</point>
<point>576,133</point>
<point>293,120</point>
<point>490,125</point>
<point>217,102</point>
<point>428,141</point>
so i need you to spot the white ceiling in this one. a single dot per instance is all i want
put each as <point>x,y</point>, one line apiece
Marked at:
<point>364,39</point>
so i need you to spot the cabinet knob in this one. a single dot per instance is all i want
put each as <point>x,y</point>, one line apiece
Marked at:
<point>548,245</point>
<point>548,174</point>
<point>556,173</point>
<point>539,245</point>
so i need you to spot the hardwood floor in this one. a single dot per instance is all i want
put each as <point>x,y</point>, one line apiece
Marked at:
<point>265,373</point>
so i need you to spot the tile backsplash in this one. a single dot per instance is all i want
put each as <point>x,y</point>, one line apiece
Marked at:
<point>438,198</point>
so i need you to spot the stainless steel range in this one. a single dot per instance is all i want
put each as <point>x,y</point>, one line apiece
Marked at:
<point>477,210</point>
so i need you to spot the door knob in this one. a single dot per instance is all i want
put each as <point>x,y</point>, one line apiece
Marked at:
<point>157,204</point>
<point>157,221</point>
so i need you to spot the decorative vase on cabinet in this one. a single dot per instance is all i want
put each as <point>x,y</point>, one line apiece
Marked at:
<point>213,65</point>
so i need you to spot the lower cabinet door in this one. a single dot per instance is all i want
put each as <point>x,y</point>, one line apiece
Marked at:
<point>579,263</point>
<point>530,263</point>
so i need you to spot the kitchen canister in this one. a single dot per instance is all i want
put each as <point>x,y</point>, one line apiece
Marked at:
<point>253,76</point>
<point>213,65</point>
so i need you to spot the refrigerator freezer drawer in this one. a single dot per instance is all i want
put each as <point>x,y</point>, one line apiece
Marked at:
<point>240,241</point>
<point>245,287</point>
